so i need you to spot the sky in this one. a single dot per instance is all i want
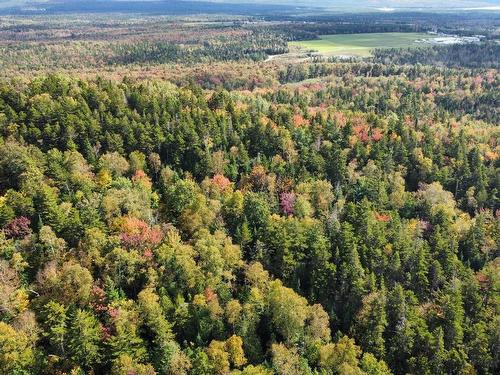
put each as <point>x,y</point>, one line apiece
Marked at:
<point>380,4</point>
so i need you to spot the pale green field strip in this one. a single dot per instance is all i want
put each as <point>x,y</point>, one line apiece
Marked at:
<point>360,44</point>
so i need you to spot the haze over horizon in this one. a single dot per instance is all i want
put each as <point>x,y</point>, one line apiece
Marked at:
<point>376,4</point>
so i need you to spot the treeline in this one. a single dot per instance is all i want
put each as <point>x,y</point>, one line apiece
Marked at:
<point>475,55</point>
<point>150,229</point>
<point>254,46</point>
<point>312,30</point>
<point>461,23</point>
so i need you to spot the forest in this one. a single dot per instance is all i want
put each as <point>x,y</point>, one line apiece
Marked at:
<point>485,55</point>
<point>183,203</point>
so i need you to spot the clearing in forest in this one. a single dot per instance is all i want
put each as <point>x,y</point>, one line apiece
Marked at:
<point>359,44</point>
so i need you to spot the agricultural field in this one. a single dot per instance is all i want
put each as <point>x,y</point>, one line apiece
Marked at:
<point>359,45</point>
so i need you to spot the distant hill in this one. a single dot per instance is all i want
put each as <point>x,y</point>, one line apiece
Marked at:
<point>381,4</point>
<point>234,7</point>
<point>173,7</point>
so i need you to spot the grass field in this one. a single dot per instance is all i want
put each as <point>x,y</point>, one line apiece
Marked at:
<point>359,44</point>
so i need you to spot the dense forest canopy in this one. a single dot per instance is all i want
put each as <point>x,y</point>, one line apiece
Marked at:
<point>183,203</point>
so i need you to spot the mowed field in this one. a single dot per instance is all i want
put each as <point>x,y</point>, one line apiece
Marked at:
<point>359,44</point>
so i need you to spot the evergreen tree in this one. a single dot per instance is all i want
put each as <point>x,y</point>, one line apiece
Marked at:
<point>84,337</point>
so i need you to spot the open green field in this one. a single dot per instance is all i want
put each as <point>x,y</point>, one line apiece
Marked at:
<point>359,44</point>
